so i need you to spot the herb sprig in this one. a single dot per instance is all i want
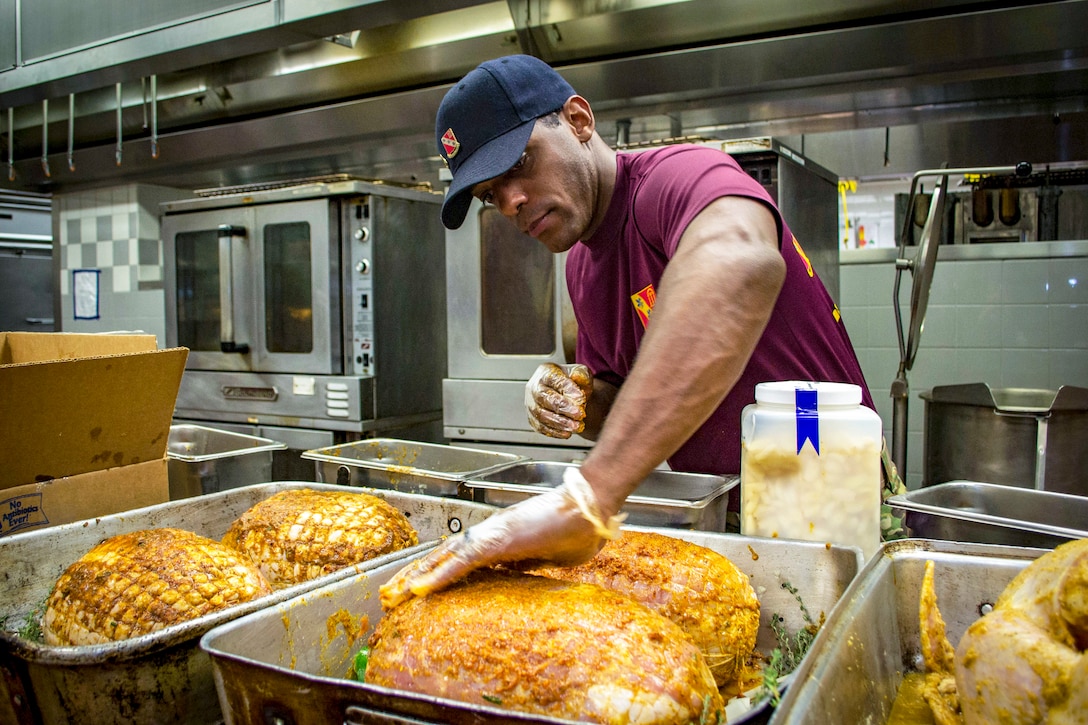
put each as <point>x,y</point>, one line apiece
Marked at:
<point>791,649</point>
<point>29,626</point>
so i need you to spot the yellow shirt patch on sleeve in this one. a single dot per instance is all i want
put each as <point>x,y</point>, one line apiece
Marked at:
<point>643,300</point>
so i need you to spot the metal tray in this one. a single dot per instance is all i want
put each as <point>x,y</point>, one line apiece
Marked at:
<point>204,460</point>
<point>161,677</point>
<point>987,513</point>
<point>854,668</point>
<point>289,662</point>
<point>664,498</point>
<point>428,468</point>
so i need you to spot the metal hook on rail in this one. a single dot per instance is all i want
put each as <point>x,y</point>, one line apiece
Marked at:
<point>71,131</point>
<point>45,138</point>
<point>11,144</point>
<point>117,153</point>
<point>154,117</point>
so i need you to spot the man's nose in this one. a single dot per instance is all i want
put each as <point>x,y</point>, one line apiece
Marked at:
<point>509,198</point>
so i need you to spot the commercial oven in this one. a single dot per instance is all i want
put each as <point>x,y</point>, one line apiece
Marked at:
<point>509,311</point>
<point>314,313</point>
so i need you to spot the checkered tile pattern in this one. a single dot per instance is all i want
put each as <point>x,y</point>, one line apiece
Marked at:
<point>106,237</point>
<point>114,232</point>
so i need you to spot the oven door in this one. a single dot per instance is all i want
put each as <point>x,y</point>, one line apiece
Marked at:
<point>508,309</point>
<point>256,288</point>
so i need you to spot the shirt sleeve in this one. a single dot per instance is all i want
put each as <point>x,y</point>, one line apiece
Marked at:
<point>674,189</point>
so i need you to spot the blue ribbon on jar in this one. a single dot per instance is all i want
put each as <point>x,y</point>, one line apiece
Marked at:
<point>808,419</point>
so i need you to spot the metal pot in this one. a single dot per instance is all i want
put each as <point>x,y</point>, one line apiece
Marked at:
<point>1023,437</point>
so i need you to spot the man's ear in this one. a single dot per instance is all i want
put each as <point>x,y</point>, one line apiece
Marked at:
<point>580,117</point>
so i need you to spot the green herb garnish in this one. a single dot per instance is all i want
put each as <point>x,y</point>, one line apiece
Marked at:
<point>708,715</point>
<point>493,699</point>
<point>358,665</point>
<point>791,649</point>
<point>772,671</point>
<point>31,626</point>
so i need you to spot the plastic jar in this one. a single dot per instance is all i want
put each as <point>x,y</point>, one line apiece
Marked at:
<point>810,465</point>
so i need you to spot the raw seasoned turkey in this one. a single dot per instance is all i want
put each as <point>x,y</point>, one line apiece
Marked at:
<point>137,583</point>
<point>300,534</point>
<point>538,645</point>
<point>695,587</point>
<point>1024,663</point>
<point>939,690</point>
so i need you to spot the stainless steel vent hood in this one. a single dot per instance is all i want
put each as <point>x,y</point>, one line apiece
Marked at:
<point>267,89</point>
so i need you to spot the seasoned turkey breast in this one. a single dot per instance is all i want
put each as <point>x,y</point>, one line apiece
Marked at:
<point>1027,660</point>
<point>1023,663</point>
<point>137,583</point>
<point>538,645</point>
<point>697,588</point>
<point>300,534</point>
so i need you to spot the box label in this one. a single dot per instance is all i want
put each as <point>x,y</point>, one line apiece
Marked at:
<point>21,512</point>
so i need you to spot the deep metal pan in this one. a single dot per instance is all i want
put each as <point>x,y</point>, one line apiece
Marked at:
<point>161,677</point>
<point>208,460</point>
<point>987,513</point>
<point>427,468</point>
<point>289,663</point>
<point>664,498</point>
<point>856,664</point>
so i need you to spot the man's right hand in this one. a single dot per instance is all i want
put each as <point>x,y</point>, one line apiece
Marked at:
<point>563,526</point>
<point>556,397</point>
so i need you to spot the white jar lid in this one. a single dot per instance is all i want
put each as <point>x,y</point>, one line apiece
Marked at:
<point>784,392</point>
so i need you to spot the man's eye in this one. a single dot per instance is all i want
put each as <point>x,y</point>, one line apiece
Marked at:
<point>486,197</point>
<point>520,162</point>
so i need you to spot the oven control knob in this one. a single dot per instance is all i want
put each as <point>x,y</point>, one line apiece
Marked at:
<point>362,266</point>
<point>362,234</point>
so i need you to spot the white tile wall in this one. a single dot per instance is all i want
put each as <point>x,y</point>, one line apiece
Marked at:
<point>102,230</point>
<point>1007,323</point>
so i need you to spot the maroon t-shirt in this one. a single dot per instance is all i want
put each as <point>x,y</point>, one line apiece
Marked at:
<point>613,278</point>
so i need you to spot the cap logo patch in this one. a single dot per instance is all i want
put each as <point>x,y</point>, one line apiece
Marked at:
<point>450,143</point>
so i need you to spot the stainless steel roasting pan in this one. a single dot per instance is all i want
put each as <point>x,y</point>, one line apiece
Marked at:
<point>854,668</point>
<point>161,677</point>
<point>288,663</point>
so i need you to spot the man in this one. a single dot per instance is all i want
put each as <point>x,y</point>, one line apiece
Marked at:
<point>688,288</point>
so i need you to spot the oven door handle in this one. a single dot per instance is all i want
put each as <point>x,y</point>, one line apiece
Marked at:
<point>227,234</point>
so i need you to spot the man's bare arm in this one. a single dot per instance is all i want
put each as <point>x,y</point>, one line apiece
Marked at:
<point>714,301</point>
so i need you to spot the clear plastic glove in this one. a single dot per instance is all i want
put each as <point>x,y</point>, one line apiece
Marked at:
<point>555,399</point>
<point>563,526</point>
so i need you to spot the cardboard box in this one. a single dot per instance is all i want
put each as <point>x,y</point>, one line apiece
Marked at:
<point>84,423</point>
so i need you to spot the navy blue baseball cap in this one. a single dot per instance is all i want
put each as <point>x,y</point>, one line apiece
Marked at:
<point>486,119</point>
